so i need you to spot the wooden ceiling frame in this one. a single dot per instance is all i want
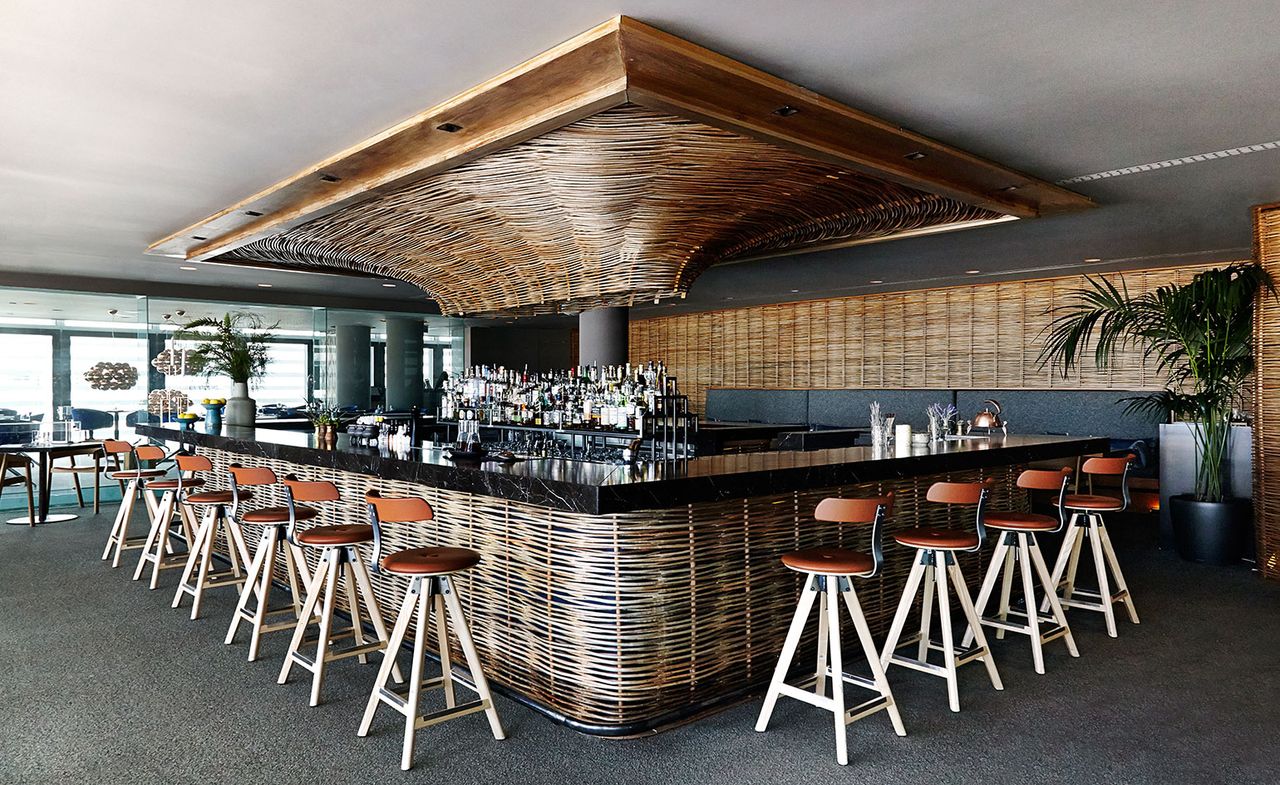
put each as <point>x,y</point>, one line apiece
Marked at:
<point>620,62</point>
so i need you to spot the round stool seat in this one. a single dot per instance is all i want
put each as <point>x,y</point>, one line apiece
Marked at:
<point>937,539</point>
<point>1020,521</point>
<point>215,497</point>
<point>828,561</point>
<point>1090,501</point>
<point>279,514</point>
<point>172,485</point>
<point>343,534</point>
<point>430,561</point>
<point>136,474</point>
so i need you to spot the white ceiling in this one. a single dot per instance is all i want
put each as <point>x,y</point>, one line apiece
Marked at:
<point>124,120</point>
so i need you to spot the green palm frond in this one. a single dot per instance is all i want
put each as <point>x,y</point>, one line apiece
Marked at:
<point>234,346</point>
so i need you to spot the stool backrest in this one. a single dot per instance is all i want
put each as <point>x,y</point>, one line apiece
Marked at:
<point>965,493</point>
<point>116,447</point>
<point>1111,467</point>
<point>149,452</point>
<point>251,475</point>
<point>874,510</point>
<point>404,509</point>
<point>193,463</point>
<point>296,490</point>
<point>1048,480</point>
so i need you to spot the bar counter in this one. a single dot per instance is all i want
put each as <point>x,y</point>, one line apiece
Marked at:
<point>621,599</point>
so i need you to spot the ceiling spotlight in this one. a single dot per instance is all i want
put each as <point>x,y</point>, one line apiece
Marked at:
<point>972,272</point>
<point>187,268</point>
<point>1009,189</point>
<point>786,110</point>
<point>916,156</point>
<point>1093,260</point>
<point>180,312</point>
<point>265,285</point>
<point>165,316</point>
<point>875,280</point>
<point>113,311</point>
<point>389,285</point>
<point>794,291</point>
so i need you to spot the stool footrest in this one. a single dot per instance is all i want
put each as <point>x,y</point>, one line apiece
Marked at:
<point>437,717</point>
<point>338,654</point>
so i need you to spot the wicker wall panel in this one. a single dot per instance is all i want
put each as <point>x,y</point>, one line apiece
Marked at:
<point>980,336</point>
<point>629,620</point>
<point>1266,423</point>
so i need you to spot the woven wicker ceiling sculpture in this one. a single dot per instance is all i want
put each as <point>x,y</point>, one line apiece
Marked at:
<point>613,169</point>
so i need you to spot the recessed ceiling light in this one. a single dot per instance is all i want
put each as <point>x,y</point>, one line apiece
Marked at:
<point>1009,188</point>
<point>877,280</point>
<point>389,285</point>
<point>793,291</point>
<point>252,213</point>
<point>265,285</point>
<point>449,128</point>
<point>786,110</point>
<point>198,237</point>
<point>188,269</point>
<point>729,298</point>
<point>1093,260</point>
<point>330,178</point>
<point>972,272</point>
<point>916,156</point>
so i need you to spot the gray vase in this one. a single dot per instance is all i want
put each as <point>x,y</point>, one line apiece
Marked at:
<point>241,409</point>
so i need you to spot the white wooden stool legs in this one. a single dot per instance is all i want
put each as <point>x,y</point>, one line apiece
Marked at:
<point>196,575</point>
<point>259,581</point>
<point>1104,561</point>
<point>423,593</point>
<point>158,550</point>
<point>119,540</point>
<point>829,589</point>
<point>322,591</point>
<point>1022,549</point>
<point>947,577</point>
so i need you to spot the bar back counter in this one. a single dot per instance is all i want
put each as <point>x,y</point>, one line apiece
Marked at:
<point>621,599</point>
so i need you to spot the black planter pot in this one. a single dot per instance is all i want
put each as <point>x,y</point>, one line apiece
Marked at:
<point>1210,532</point>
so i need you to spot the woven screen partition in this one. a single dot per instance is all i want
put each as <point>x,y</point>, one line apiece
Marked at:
<point>983,336</point>
<point>1266,423</point>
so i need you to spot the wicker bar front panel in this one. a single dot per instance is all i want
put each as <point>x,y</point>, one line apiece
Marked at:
<point>621,623</point>
<point>981,336</point>
<point>1266,424</point>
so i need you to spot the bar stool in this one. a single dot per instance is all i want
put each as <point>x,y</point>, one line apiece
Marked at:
<point>158,550</point>
<point>338,556</point>
<point>1086,523</point>
<point>119,540</point>
<point>276,523</point>
<point>431,570</point>
<point>217,513</point>
<point>935,562</point>
<point>828,576</point>
<point>1018,544</point>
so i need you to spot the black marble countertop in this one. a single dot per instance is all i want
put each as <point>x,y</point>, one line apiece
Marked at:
<point>602,489</point>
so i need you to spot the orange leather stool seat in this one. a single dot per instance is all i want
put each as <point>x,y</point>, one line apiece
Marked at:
<point>937,539</point>
<point>829,561</point>
<point>279,514</point>
<point>343,534</point>
<point>430,561</point>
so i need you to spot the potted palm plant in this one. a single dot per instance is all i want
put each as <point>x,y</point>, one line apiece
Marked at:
<point>1200,336</point>
<point>234,346</point>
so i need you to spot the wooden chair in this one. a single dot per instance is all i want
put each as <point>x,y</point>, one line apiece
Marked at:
<point>935,565</point>
<point>101,462</point>
<point>828,577</point>
<point>15,469</point>
<point>431,587</point>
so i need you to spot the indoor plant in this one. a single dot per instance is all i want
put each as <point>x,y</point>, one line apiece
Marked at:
<point>1200,336</point>
<point>325,419</point>
<point>234,346</point>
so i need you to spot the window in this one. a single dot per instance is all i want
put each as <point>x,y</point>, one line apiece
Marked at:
<point>26,386</point>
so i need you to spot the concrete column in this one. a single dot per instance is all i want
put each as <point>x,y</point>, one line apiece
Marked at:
<point>351,365</point>
<point>602,336</point>
<point>404,363</point>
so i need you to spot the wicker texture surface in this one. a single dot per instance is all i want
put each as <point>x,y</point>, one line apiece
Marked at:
<point>628,620</point>
<point>625,206</point>
<point>982,336</point>
<point>1266,393</point>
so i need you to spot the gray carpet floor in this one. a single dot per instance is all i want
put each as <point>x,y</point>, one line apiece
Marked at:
<point>100,681</point>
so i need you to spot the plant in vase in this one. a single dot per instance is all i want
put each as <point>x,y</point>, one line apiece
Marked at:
<point>1199,335</point>
<point>325,419</point>
<point>234,346</point>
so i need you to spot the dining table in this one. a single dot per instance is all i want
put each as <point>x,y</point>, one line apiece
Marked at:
<point>46,452</point>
